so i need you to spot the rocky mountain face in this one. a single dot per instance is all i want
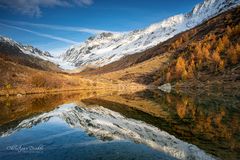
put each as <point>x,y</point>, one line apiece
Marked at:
<point>13,51</point>
<point>105,48</point>
<point>26,49</point>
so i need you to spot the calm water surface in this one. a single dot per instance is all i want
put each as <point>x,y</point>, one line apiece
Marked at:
<point>144,125</point>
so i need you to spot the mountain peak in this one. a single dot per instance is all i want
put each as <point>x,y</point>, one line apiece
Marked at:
<point>213,6</point>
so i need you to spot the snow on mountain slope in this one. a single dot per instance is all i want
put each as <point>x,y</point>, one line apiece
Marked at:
<point>26,49</point>
<point>105,48</point>
<point>32,51</point>
<point>105,124</point>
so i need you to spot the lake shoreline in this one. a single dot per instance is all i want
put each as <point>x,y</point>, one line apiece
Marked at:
<point>20,91</point>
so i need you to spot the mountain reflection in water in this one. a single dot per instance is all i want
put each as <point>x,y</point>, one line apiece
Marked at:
<point>144,125</point>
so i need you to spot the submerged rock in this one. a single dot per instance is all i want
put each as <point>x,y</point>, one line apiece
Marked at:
<point>166,87</point>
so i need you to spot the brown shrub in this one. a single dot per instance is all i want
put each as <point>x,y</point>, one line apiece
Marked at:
<point>40,81</point>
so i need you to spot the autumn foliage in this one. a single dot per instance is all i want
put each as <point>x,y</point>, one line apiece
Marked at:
<point>213,54</point>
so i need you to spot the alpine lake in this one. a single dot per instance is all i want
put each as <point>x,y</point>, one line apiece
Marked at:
<point>147,125</point>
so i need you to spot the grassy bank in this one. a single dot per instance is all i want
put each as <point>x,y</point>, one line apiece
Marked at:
<point>19,79</point>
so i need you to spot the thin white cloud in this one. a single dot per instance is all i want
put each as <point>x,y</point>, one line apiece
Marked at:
<point>41,34</point>
<point>33,7</point>
<point>58,27</point>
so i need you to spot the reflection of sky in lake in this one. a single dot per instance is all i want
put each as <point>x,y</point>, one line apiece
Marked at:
<point>59,141</point>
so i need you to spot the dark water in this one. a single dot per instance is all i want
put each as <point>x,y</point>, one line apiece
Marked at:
<point>143,125</point>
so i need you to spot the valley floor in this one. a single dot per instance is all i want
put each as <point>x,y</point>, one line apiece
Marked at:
<point>19,79</point>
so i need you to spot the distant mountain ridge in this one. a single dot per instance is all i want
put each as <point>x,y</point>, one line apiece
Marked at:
<point>26,55</point>
<point>105,48</point>
<point>26,49</point>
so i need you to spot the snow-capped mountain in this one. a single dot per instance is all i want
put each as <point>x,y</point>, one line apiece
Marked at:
<point>26,49</point>
<point>8,45</point>
<point>105,48</point>
<point>105,124</point>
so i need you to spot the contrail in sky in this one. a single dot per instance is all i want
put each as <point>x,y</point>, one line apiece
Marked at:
<point>41,34</point>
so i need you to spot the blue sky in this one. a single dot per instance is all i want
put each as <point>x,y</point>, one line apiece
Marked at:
<point>55,25</point>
